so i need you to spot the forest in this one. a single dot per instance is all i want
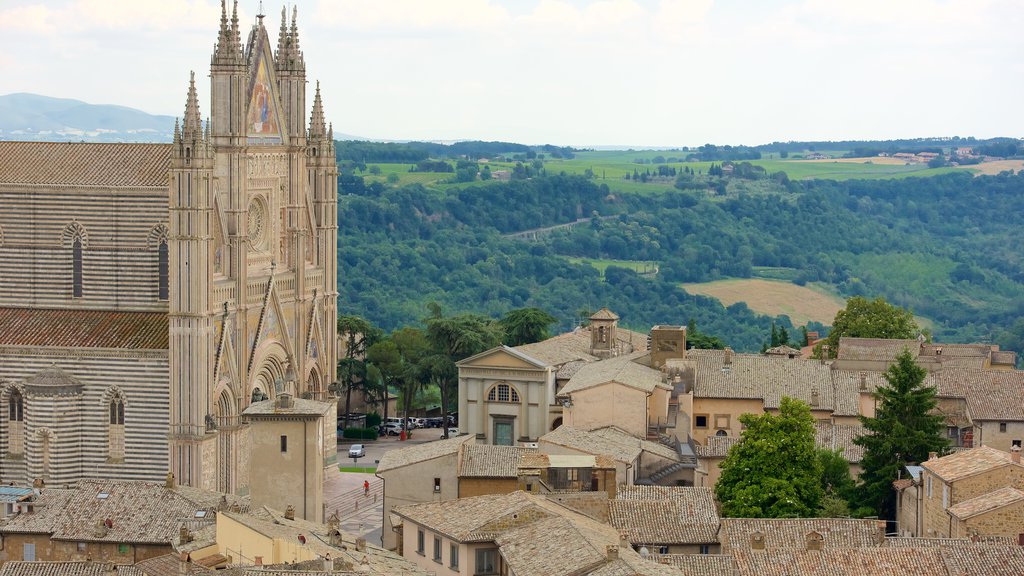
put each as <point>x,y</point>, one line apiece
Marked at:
<point>948,247</point>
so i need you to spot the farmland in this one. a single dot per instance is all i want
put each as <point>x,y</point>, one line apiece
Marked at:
<point>773,297</point>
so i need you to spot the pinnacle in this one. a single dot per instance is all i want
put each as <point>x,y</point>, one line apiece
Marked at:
<point>317,128</point>
<point>192,122</point>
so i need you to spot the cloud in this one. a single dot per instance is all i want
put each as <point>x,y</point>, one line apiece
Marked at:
<point>421,15</point>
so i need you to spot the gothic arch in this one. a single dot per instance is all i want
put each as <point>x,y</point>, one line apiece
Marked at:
<point>72,231</point>
<point>314,383</point>
<point>111,393</point>
<point>224,403</point>
<point>268,369</point>
<point>157,234</point>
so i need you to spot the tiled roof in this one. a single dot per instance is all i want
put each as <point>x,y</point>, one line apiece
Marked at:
<point>83,328</point>
<point>467,519</point>
<point>608,441</point>
<point>630,563</point>
<point>575,345</point>
<point>782,351</point>
<point>40,568</point>
<point>826,435</point>
<point>875,349</point>
<point>604,314</point>
<point>984,560</point>
<point>791,533</point>
<point>48,508</point>
<point>665,515</point>
<point>538,460</point>
<point>297,407</point>
<point>967,463</point>
<point>85,164</point>
<point>876,561</point>
<point>421,452</point>
<point>534,548</point>
<point>848,390</point>
<point>490,461</point>
<point>701,564</point>
<point>987,502</point>
<point>990,394</point>
<point>761,377</point>
<point>139,513</point>
<point>624,370</point>
<point>169,565</point>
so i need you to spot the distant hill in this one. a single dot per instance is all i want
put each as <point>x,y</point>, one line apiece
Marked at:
<point>33,117</point>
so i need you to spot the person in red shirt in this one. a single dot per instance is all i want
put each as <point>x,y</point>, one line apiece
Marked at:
<point>366,487</point>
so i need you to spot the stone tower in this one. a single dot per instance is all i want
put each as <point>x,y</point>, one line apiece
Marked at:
<point>253,201</point>
<point>602,333</point>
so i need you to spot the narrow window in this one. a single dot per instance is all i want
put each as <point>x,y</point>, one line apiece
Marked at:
<point>486,561</point>
<point>284,443</point>
<point>76,268</point>
<point>1002,426</point>
<point>16,424</point>
<point>437,549</point>
<point>453,557</point>
<point>437,484</point>
<point>115,432</point>
<point>419,541</point>
<point>705,549</point>
<point>163,270</point>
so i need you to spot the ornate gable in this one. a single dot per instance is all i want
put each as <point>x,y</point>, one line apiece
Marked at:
<point>264,123</point>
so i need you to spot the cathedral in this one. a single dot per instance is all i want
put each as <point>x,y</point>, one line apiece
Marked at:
<point>150,292</point>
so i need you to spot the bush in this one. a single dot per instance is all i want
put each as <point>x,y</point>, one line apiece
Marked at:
<point>359,433</point>
<point>373,420</point>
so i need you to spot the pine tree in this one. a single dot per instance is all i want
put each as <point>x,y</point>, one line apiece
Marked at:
<point>775,337</point>
<point>783,336</point>
<point>903,431</point>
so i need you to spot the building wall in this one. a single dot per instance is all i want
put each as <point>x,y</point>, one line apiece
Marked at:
<point>70,551</point>
<point>610,404</point>
<point>414,484</point>
<point>936,520</point>
<point>243,544</point>
<point>425,560</point>
<point>79,451</point>
<point>119,254</point>
<point>1007,521</point>
<point>987,433</point>
<point>293,477</point>
<point>908,511</point>
<point>724,411</point>
<point>469,487</point>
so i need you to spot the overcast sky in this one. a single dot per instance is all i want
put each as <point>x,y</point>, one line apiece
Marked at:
<point>571,72</point>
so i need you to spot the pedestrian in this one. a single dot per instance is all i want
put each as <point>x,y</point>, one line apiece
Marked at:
<point>366,487</point>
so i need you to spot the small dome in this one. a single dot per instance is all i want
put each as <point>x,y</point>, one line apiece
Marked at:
<point>52,381</point>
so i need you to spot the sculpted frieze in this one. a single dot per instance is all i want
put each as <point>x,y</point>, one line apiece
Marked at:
<point>467,372</point>
<point>267,165</point>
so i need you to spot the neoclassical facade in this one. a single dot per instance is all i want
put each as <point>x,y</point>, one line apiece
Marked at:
<point>150,292</point>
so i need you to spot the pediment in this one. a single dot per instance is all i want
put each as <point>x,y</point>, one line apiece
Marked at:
<point>502,357</point>
<point>263,119</point>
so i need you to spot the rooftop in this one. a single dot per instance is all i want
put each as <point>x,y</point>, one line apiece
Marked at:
<point>83,328</point>
<point>623,370</point>
<point>85,164</point>
<point>791,533</point>
<point>967,463</point>
<point>701,564</point>
<point>665,515</point>
<point>987,502</point>
<point>609,441</point>
<point>40,568</point>
<point>295,407</point>
<point>491,461</point>
<point>875,349</point>
<point>756,376</point>
<point>422,452</point>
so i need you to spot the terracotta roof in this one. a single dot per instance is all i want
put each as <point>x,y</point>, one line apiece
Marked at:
<point>297,407</point>
<point>665,515</point>
<point>534,548</point>
<point>40,568</point>
<point>623,370</point>
<point>83,328</point>
<point>538,460</point>
<point>575,345</point>
<point>791,533</point>
<point>604,314</point>
<point>490,461</point>
<point>875,349</point>
<point>609,441</point>
<point>761,377</point>
<point>85,164</point>
<point>470,519</point>
<point>990,394</point>
<point>717,446</point>
<point>701,564</point>
<point>48,508</point>
<point>984,560</point>
<point>421,452</point>
<point>877,561</point>
<point>782,351</point>
<point>987,502</point>
<point>169,565</point>
<point>967,463</point>
<point>630,563</point>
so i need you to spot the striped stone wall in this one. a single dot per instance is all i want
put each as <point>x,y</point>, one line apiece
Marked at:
<point>79,425</point>
<point>120,229</point>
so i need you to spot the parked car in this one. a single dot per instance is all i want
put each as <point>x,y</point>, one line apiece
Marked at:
<point>452,432</point>
<point>391,429</point>
<point>356,451</point>
<point>435,422</point>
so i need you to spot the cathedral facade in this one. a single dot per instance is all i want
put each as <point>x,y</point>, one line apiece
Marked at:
<point>150,292</point>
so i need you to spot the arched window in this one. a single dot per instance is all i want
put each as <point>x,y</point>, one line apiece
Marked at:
<point>115,431</point>
<point>15,424</point>
<point>163,270</point>
<point>76,268</point>
<point>721,433</point>
<point>503,393</point>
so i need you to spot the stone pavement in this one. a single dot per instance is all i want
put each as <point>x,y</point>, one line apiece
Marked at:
<point>359,514</point>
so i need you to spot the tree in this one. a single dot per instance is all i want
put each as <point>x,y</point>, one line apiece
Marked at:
<point>451,339</point>
<point>863,318</point>
<point>526,326</point>
<point>836,483</point>
<point>357,333</point>
<point>774,471</point>
<point>903,431</point>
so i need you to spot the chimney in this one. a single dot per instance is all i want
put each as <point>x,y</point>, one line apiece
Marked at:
<point>184,535</point>
<point>289,512</point>
<point>360,544</point>
<point>814,397</point>
<point>863,381</point>
<point>328,564</point>
<point>623,541</point>
<point>933,455</point>
<point>727,358</point>
<point>258,560</point>
<point>110,569</point>
<point>613,552</point>
<point>824,353</point>
<point>169,483</point>
<point>38,484</point>
<point>1015,454</point>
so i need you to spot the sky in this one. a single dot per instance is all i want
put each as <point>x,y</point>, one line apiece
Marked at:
<point>568,72</point>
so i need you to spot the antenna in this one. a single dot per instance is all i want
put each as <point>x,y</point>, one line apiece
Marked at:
<point>260,14</point>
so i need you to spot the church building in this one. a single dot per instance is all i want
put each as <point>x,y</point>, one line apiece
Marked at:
<point>149,293</point>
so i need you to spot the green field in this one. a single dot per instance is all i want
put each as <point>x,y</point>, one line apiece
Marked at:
<point>638,266</point>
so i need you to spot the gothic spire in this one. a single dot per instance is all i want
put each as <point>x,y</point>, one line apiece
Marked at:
<point>295,30</point>
<point>227,39</point>
<point>236,34</point>
<point>282,36</point>
<point>177,131</point>
<point>192,123</point>
<point>317,127</point>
